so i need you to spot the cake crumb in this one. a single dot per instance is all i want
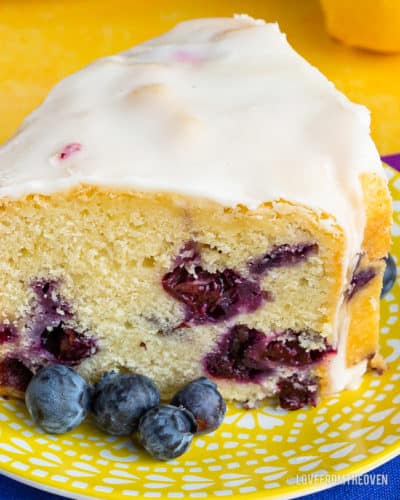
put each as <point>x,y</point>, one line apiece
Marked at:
<point>378,364</point>
<point>252,404</point>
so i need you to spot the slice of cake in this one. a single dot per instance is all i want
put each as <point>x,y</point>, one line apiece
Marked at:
<point>206,203</point>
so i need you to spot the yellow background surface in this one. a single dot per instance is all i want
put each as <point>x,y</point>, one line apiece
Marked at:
<point>41,41</point>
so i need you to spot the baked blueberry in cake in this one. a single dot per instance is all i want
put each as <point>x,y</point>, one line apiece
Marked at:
<point>205,204</point>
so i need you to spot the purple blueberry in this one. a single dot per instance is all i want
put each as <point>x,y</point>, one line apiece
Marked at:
<point>204,402</point>
<point>389,278</point>
<point>166,431</point>
<point>58,399</point>
<point>121,400</point>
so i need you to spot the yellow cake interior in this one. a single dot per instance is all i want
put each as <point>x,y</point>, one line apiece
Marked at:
<point>108,251</point>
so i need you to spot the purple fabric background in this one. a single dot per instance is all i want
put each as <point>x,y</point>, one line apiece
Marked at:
<point>393,161</point>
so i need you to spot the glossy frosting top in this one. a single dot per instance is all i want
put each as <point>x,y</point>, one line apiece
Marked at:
<point>222,108</point>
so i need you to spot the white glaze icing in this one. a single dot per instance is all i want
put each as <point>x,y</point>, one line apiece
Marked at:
<point>220,108</point>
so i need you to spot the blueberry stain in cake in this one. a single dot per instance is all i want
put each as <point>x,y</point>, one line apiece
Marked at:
<point>359,280</point>
<point>50,339</point>
<point>67,345</point>
<point>295,393</point>
<point>287,349</point>
<point>49,309</point>
<point>51,336</point>
<point>239,356</point>
<point>14,374</point>
<point>189,253</point>
<point>210,297</point>
<point>8,333</point>
<point>248,355</point>
<point>282,255</point>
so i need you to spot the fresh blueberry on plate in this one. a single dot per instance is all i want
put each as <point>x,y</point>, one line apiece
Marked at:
<point>120,400</point>
<point>166,432</point>
<point>58,399</point>
<point>389,278</point>
<point>204,402</point>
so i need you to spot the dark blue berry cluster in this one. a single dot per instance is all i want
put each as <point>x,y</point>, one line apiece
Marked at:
<point>58,399</point>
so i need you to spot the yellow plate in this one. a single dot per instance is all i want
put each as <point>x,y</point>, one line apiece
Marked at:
<point>256,454</point>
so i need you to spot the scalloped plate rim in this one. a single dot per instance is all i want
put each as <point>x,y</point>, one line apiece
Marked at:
<point>302,490</point>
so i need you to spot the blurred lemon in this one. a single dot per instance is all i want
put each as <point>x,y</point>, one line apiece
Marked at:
<point>369,24</point>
